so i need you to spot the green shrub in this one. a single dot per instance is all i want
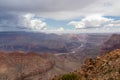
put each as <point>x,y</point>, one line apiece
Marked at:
<point>70,76</point>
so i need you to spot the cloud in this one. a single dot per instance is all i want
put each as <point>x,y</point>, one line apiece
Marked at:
<point>9,21</point>
<point>43,6</point>
<point>14,14</point>
<point>60,29</point>
<point>93,21</point>
<point>62,9</point>
<point>16,22</point>
<point>115,23</point>
<point>32,23</point>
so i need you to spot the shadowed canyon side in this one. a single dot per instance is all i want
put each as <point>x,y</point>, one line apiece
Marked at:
<point>105,67</point>
<point>51,43</point>
<point>36,42</point>
<point>111,44</point>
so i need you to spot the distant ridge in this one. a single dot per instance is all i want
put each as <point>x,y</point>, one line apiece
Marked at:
<point>111,44</point>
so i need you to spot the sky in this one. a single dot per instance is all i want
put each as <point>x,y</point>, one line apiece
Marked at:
<point>83,16</point>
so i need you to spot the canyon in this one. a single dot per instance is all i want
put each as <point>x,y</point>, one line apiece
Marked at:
<point>41,56</point>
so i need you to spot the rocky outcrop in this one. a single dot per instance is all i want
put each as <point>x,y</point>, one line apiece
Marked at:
<point>105,67</point>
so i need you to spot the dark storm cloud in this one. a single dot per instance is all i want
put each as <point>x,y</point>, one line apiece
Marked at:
<point>43,5</point>
<point>8,18</point>
<point>11,21</point>
<point>17,21</point>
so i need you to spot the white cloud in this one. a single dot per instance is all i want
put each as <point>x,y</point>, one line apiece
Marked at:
<point>32,23</point>
<point>60,29</point>
<point>115,23</point>
<point>92,21</point>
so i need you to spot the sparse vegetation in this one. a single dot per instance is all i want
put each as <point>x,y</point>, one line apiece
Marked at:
<point>70,76</point>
